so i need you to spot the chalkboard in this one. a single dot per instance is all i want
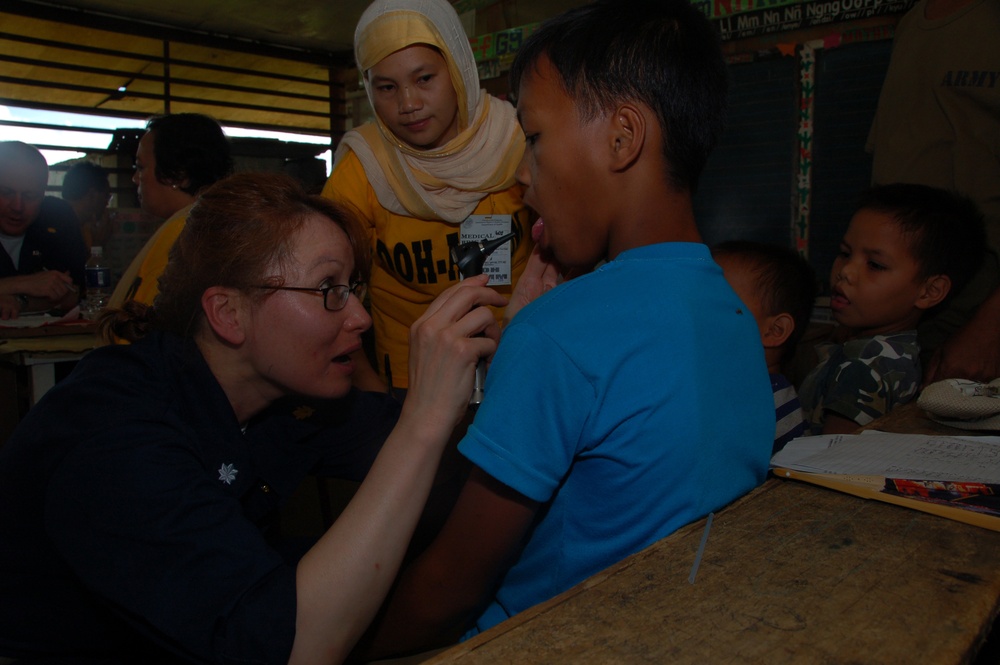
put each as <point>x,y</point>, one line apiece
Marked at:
<point>748,188</point>
<point>746,191</point>
<point>849,79</point>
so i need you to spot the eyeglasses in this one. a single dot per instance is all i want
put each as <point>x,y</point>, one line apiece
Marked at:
<point>334,296</point>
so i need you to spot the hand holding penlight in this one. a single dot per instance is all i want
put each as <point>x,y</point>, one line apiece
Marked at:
<point>470,257</point>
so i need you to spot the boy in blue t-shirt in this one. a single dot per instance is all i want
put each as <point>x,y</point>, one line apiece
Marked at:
<point>629,401</point>
<point>906,249</point>
<point>778,286</point>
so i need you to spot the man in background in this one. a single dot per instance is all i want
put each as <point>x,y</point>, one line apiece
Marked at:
<point>937,124</point>
<point>87,189</point>
<point>41,267</point>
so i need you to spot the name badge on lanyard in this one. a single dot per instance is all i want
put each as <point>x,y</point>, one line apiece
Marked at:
<point>479,228</point>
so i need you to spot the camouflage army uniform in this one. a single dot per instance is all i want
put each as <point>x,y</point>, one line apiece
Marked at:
<point>862,379</point>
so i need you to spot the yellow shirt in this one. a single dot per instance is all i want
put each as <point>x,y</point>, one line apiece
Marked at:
<point>411,260</point>
<point>141,279</point>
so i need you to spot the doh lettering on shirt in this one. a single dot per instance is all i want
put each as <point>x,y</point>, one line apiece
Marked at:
<point>424,261</point>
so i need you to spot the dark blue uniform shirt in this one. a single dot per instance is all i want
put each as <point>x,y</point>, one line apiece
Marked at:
<point>134,510</point>
<point>52,242</point>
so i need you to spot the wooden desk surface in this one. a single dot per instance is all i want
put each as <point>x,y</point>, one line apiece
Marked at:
<point>911,419</point>
<point>791,573</point>
<point>72,328</point>
<point>15,343</point>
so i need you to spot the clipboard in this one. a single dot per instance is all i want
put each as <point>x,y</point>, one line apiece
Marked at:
<point>870,487</point>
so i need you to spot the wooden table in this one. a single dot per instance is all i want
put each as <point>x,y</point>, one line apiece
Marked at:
<point>28,360</point>
<point>41,348</point>
<point>791,573</point>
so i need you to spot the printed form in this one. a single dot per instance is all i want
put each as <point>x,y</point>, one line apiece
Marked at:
<point>913,456</point>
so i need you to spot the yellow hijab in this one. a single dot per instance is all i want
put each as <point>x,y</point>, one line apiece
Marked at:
<point>444,183</point>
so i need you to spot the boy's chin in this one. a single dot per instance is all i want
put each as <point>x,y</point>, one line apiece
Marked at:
<point>845,328</point>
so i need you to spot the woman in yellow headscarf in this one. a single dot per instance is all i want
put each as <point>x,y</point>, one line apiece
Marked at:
<point>435,169</point>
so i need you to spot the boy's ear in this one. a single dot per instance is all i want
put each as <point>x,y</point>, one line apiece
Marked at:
<point>934,290</point>
<point>224,312</point>
<point>777,329</point>
<point>628,134</point>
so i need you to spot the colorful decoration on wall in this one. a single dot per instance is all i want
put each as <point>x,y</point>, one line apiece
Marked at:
<point>736,19</point>
<point>802,213</point>
<point>803,185</point>
<point>740,19</point>
<point>501,45</point>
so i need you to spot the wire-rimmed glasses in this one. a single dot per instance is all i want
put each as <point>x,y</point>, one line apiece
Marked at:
<point>334,296</point>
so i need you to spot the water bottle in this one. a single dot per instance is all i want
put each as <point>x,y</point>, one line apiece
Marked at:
<point>98,278</point>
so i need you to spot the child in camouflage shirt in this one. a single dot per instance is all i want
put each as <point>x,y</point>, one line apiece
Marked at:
<point>906,249</point>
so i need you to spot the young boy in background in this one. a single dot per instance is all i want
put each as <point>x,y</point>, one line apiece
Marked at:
<point>907,247</point>
<point>626,402</point>
<point>778,286</point>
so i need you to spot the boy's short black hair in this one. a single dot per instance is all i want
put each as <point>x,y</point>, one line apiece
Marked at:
<point>663,53</point>
<point>784,282</point>
<point>946,232</point>
<point>83,177</point>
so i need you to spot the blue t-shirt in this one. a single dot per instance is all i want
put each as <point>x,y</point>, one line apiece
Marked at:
<point>630,401</point>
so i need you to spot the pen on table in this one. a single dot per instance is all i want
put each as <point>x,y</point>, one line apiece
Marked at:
<point>72,287</point>
<point>701,549</point>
